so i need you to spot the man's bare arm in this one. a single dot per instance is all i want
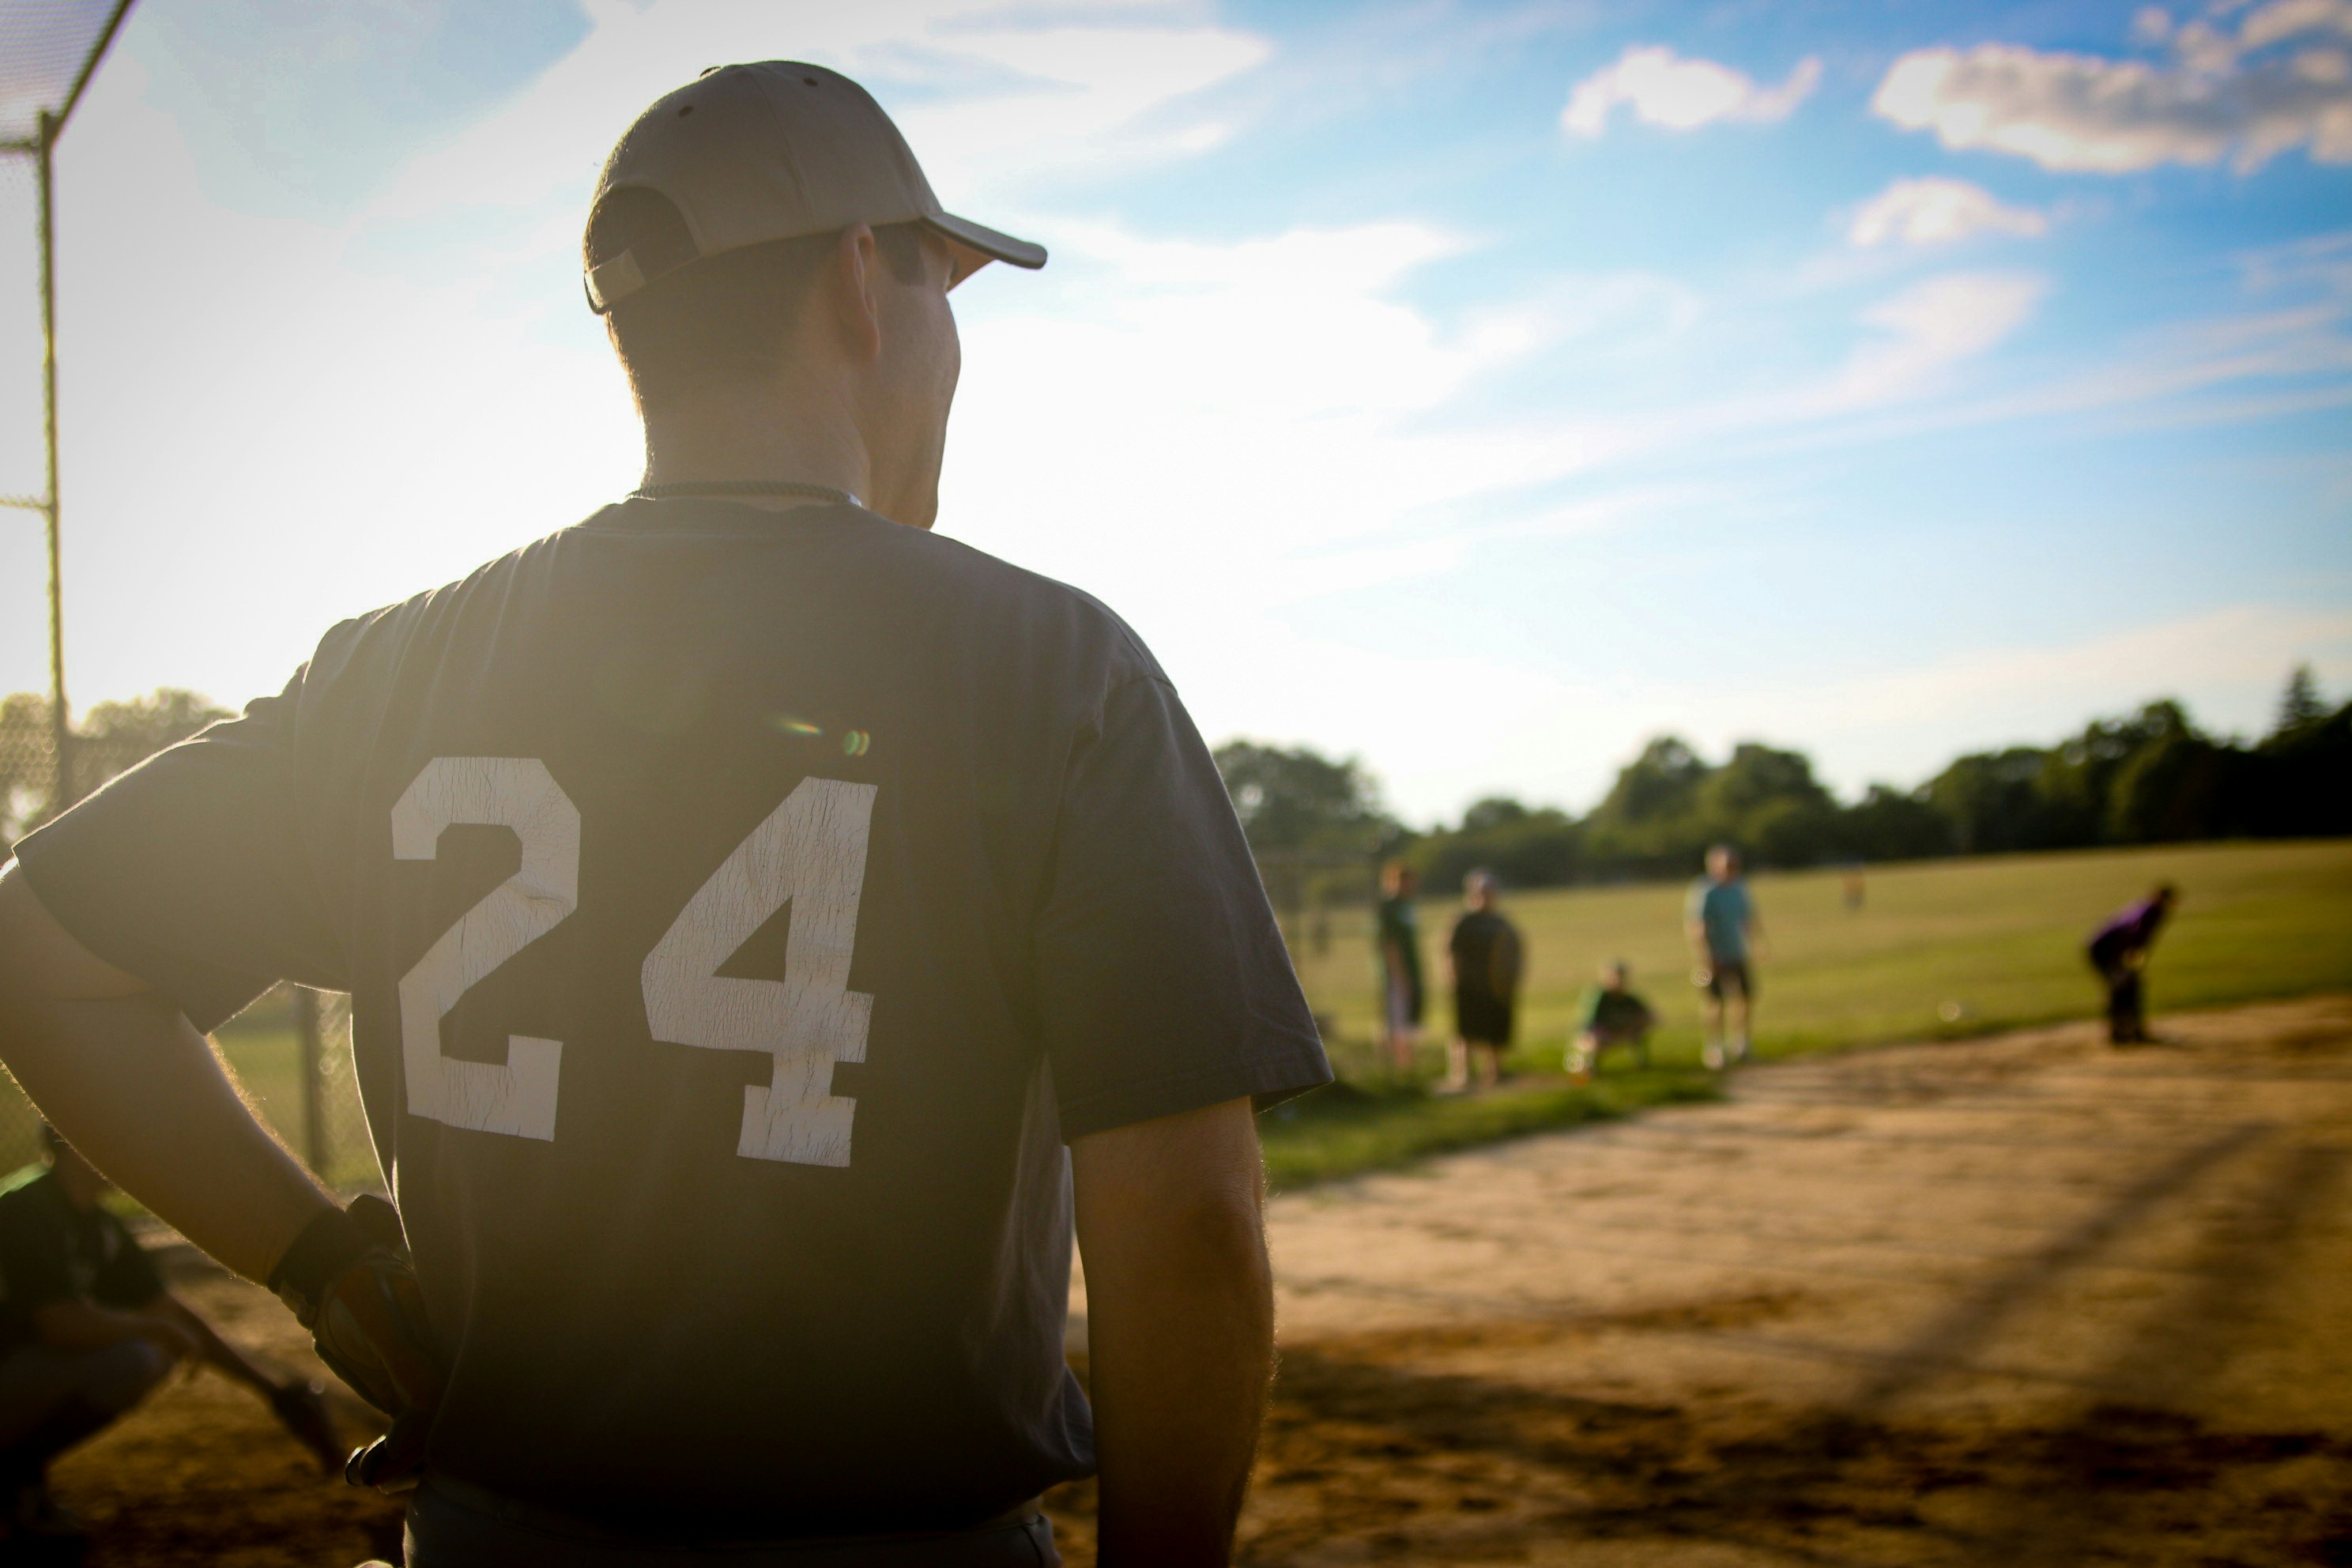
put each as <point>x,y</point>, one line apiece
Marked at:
<point>1180,1328</point>
<point>117,1070</point>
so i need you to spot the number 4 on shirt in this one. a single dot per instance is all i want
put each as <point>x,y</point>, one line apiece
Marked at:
<point>810,853</point>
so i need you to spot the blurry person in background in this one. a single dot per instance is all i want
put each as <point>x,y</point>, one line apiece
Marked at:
<point>87,1329</point>
<point>1721,921</point>
<point>2118,951</point>
<point>1611,1015</point>
<point>1483,958</point>
<point>1397,933</point>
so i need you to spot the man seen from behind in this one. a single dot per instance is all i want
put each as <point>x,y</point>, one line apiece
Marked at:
<point>768,922</point>
<point>1484,958</point>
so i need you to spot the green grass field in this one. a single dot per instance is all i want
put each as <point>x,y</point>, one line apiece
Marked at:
<point>1997,942</point>
<point>1939,949</point>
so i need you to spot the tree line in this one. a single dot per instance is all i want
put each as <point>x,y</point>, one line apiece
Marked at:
<point>2147,777</point>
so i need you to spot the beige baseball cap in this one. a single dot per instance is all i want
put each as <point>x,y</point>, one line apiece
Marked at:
<point>749,153</point>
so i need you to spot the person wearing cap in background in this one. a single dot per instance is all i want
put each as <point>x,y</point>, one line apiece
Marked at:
<point>767,923</point>
<point>1484,957</point>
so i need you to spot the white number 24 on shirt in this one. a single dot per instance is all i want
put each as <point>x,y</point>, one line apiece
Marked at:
<point>810,852</point>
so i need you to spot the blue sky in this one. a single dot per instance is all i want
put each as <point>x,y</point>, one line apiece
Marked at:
<point>1477,388</point>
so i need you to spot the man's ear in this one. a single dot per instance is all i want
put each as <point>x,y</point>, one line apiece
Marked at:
<point>853,285</point>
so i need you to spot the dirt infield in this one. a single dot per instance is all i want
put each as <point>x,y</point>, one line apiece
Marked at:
<point>2021,1300</point>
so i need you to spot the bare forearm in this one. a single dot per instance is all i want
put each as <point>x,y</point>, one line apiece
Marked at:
<point>1180,1389</point>
<point>1180,1320</point>
<point>134,1087</point>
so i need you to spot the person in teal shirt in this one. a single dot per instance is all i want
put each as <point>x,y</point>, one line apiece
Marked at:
<point>1724,931</point>
<point>1610,1015</point>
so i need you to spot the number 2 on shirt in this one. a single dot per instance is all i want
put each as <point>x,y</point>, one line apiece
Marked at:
<point>810,853</point>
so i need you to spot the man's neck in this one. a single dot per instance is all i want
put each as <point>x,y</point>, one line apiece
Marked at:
<point>811,442</point>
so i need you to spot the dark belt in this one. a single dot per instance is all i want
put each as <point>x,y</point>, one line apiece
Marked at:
<point>454,1524</point>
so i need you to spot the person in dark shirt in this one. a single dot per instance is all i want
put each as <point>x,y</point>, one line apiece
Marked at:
<point>1484,957</point>
<point>1396,933</point>
<point>1611,1015</point>
<point>773,930</point>
<point>2119,951</point>
<point>87,1327</point>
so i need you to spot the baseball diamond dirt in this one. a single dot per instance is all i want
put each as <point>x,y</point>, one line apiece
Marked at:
<point>2023,1299</point>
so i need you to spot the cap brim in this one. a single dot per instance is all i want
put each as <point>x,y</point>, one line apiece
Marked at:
<point>987,241</point>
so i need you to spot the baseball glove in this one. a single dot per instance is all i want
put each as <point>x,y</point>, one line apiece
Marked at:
<point>348,1280</point>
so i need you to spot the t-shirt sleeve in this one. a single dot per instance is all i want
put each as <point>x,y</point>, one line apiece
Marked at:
<point>189,870</point>
<point>1162,981</point>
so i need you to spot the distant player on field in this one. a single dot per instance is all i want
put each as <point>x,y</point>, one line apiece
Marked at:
<point>764,920</point>
<point>1396,933</point>
<point>1611,1015</point>
<point>2119,951</point>
<point>1720,919</point>
<point>1484,959</point>
<point>87,1327</point>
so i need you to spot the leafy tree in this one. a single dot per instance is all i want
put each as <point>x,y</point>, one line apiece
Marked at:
<point>2299,705</point>
<point>2300,778</point>
<point>1297,799</point>
<point>2077,782</point>
<point>1888,824</point>
<point>25,779</point>
<point>1526,847</point>
<point>2177,787</point>
<point>1659,784</point>
<point>115,737</point>
<point>1990,799</point>
<point>1494,811</point>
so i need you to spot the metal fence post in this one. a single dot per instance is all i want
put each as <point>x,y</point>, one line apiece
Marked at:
<point>308,1049</point>
<point>61,778</point>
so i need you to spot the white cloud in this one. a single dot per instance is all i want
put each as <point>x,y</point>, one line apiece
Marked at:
<point>1934,211</point>
<point>2282,80</point>
<point>1933,325</point>
<point>1664,89</point>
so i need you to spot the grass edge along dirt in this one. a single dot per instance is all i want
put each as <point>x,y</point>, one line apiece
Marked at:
<point>1347,1129</point>
<point>2260,921</point>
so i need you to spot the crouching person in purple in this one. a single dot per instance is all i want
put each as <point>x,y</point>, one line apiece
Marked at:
<point>2118,951</point>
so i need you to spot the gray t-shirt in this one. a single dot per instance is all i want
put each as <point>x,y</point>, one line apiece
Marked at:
<point>740,910</point>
